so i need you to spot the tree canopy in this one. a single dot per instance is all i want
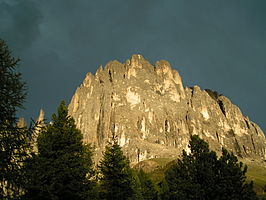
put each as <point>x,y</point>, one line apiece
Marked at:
<point>148,188</point>
<point>63,165</point>
<point>116,177</point>
<point>12,87</point>
<point>201,175</point>
<point>13,139</point>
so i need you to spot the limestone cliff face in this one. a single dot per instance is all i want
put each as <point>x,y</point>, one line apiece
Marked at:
<point>153,115</point>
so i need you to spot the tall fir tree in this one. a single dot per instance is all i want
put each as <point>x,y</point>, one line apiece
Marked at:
<point>201,175</point>
<point>63,165</point>
<point>148,188</point>
<point>232,178</point>
<point>13,139</point>
<point>117,180</point>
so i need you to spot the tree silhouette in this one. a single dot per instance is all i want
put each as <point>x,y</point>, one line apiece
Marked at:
<point>61,168</point>
<point>13,139</point>
<point>148,189</point>
<point>117,179</point>
<point>201,175</point>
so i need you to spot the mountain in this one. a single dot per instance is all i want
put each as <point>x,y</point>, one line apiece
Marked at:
<point>153,115</point>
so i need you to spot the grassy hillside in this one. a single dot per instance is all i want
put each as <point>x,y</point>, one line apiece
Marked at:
<point>257,173</point>
<point>155,168</point>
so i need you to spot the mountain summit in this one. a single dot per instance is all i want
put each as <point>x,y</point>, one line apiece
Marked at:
<point>153,115</point>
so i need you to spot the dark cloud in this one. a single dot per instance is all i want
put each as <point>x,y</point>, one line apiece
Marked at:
<point>214,44</point>
<point>19,21</point>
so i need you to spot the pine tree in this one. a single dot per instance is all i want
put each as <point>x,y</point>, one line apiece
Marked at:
<point>11,86</point>
<point>117,179</point>
<point>232,179</point>
<point>201,175</point>
<point>13,139</point>
<point>148,189</point>
<point>61,168</point>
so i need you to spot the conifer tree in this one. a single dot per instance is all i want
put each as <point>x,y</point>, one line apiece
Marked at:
<point>232,179</point>
<point>117,179</point>
<point>148,189</point>
<point>63,165</point>
<point>201,175</point>
<point>13,139</point>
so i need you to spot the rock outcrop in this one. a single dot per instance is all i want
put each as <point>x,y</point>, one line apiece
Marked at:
<point>153,115</point>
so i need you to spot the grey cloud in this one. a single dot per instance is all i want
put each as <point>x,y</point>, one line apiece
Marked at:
<point>214,44</point>
<point>20,22</point>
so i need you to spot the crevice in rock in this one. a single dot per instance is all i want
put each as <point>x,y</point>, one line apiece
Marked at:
<point>247,124</point>
<point>100,128</point>
<point>166,126</point>
<point>192,91</point>
<point>221,105</point>
<point>191,103</point>
<point>255,128</point>
<point>138,154</point>
<point>213,94</point>
<point>187,117</point>
<point>252,140</point>
<point>217,136</point>
<point>245,150</point>
<point>110,76</point>
<point>166,133</point>
<point>101,124</point>
<point>139,123</point>
<point>112,96</point>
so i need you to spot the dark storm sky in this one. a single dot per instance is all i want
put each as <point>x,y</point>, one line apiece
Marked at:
<point>215,44</point>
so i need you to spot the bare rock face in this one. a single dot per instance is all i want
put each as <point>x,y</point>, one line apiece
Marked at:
<point>153,115</point>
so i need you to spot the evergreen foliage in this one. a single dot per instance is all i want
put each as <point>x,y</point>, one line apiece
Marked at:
<point>232,179</point>
<point>117,178</point>
<point>63,165</point>
<point>148,189</point>
<point>201,175</point>
<point>13,140</point>
<point>12,87</point>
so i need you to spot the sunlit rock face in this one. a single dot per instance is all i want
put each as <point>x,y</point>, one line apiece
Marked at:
<point>153,115</point>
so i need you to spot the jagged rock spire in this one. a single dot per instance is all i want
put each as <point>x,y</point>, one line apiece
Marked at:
<point>40,118</point>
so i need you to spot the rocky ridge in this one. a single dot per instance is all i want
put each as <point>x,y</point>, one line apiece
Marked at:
<point>153,115</point>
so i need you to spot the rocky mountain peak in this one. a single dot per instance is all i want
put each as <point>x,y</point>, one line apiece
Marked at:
<point>153,115</point>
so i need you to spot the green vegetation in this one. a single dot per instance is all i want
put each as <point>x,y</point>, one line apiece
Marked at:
<point>257,173</point>
<point>13,140</point>
<point>200,175</point>
<point>148,188</point>
<point>156,167</point>
<point>162,161</point>
<point>117,180</point>
<point>63,165</point>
